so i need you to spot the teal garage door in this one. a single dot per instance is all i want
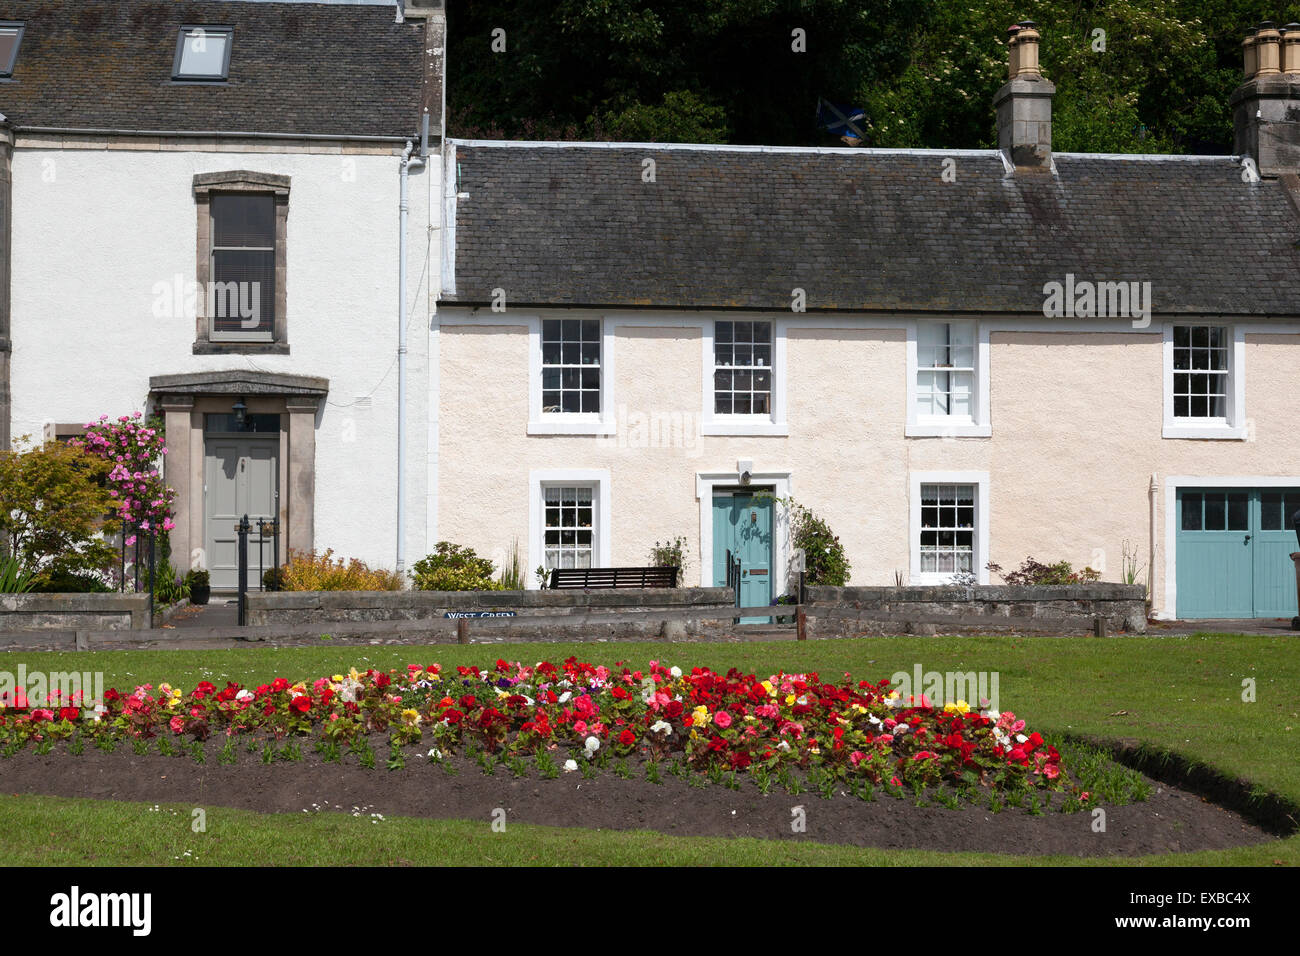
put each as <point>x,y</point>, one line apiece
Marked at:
<point>1234,547</point>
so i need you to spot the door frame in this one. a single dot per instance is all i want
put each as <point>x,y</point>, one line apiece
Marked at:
<point>184,399</point>
<point>780,483</point>
<point>1172,485</point>
<point>271,440</point>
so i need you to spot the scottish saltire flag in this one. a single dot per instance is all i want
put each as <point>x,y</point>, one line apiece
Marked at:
<point>844,121</point>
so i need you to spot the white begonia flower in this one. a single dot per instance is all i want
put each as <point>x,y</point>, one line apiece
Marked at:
<point>661,727</point>
<point>676,672</point>
<point>874,721</point>
<point>570,766</point>
<point>784,745</point>
<point>564,698</point>
<point>1021,738</point>
<point>592,745</point>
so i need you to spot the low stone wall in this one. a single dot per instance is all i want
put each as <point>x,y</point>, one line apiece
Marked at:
<point>316,607</point>
<point>984,609</point>
<point>91,612</point>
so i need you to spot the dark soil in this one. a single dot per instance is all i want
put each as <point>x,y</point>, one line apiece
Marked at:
<point>1170,821</point>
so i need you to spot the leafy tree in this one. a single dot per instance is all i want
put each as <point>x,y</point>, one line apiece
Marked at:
<point>55,511</point>
<point>924,70</point>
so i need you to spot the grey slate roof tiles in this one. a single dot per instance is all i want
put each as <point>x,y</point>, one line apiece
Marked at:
<point>297,68</point>
<point>732,228</point>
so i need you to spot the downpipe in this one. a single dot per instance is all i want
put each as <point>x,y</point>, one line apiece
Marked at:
<point>403,214</point>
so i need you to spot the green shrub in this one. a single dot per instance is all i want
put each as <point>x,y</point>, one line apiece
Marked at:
<point>824,560</point>
<point>452,567</point>
<point>670,554</point>
<point>53,504</point>
<point>309,571</point>
<point>70,582</point>
<point>14,578</point>
<point>1033,572</point>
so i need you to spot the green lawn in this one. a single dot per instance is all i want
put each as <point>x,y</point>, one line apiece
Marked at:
<point>1184,694</point>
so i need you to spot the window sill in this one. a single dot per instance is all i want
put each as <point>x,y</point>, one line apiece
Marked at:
<point>932,429</point>
<point>241,348</point>
<point>577,427</point>
<point>933,580</point>
<point>1210,432</point>
<point>744,427</point>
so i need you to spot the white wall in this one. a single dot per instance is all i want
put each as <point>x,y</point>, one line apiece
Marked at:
<point>94,232</point>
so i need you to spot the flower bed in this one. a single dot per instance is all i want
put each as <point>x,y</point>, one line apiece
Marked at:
<point>712,723</point>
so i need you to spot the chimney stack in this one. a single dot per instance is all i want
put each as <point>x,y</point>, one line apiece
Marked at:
<point>1024,104</point>
<point>1266,107</point>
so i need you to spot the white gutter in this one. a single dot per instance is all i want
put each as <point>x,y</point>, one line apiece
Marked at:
<point>403,207</point>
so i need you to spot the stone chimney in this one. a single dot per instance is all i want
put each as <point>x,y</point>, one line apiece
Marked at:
<point>1024,104</point>
<point>1266,107</point>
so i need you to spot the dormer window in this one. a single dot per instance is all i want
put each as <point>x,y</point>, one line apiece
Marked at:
<point>203,54</point>
<point>11,36</point>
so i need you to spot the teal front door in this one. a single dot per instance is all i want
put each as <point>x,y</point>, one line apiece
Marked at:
<point>1233,552</point>
<point>742,526</point>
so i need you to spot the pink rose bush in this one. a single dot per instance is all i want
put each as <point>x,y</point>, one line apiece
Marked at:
<point>135,450</point>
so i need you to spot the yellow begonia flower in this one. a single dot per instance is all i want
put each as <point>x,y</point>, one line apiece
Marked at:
<point>767,686</point>
<point>337,678</point>
<point>789,699</point>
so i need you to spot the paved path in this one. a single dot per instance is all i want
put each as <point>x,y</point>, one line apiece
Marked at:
<point>216,613</point>
<point>1270,626</point>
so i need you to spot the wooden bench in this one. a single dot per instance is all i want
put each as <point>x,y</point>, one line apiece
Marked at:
<point>602,578</point>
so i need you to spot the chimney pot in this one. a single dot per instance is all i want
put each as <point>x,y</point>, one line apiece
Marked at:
<point>1291,48</point>
<point>1024,104</point>
<point>1250,55</point>
<point>1027,48</point>
<point>1268,49</point>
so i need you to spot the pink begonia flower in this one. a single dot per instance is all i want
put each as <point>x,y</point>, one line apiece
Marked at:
<point>168,524</point>
<point>130,540</point>
<point>722,719</point>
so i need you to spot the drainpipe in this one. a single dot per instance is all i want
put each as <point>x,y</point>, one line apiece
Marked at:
<point>1152,493</point>
<point>403,206</point>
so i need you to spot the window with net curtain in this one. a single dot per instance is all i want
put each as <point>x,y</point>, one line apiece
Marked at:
<point>947,528</point>
<point>241,297</point>
<point>570,530</point>
<point>945,370</point>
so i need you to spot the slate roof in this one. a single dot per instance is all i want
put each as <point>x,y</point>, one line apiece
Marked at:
<point>574,225</point>
<point>295,68</point>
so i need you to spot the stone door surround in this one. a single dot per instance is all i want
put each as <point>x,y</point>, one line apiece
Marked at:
<point>185,399</point>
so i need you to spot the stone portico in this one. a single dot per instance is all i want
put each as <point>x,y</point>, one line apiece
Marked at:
<point>184,401</point>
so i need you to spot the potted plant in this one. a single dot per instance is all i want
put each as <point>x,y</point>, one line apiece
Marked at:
<point>200,586</point>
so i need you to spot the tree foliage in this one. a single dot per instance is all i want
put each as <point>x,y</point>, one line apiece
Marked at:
<point>55,511</point>
<point>925,70</point>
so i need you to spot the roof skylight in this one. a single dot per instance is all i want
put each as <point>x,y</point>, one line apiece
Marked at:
<point>11,36</point>
<point>203,53</point>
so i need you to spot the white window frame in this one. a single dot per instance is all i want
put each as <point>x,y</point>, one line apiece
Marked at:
<point>979,479</point>
<point>774,422</point>
<point>978,424</point>
<point>595,478</point>
<point>1233,426</point>
<point>571,423</point>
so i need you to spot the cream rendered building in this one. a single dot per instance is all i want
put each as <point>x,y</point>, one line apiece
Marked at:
<point>955,357</point>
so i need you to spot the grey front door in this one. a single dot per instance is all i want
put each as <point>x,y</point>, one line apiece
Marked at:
<point>241,476</point>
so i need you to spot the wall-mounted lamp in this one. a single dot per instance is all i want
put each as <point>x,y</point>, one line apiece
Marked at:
<point>240,411</point>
